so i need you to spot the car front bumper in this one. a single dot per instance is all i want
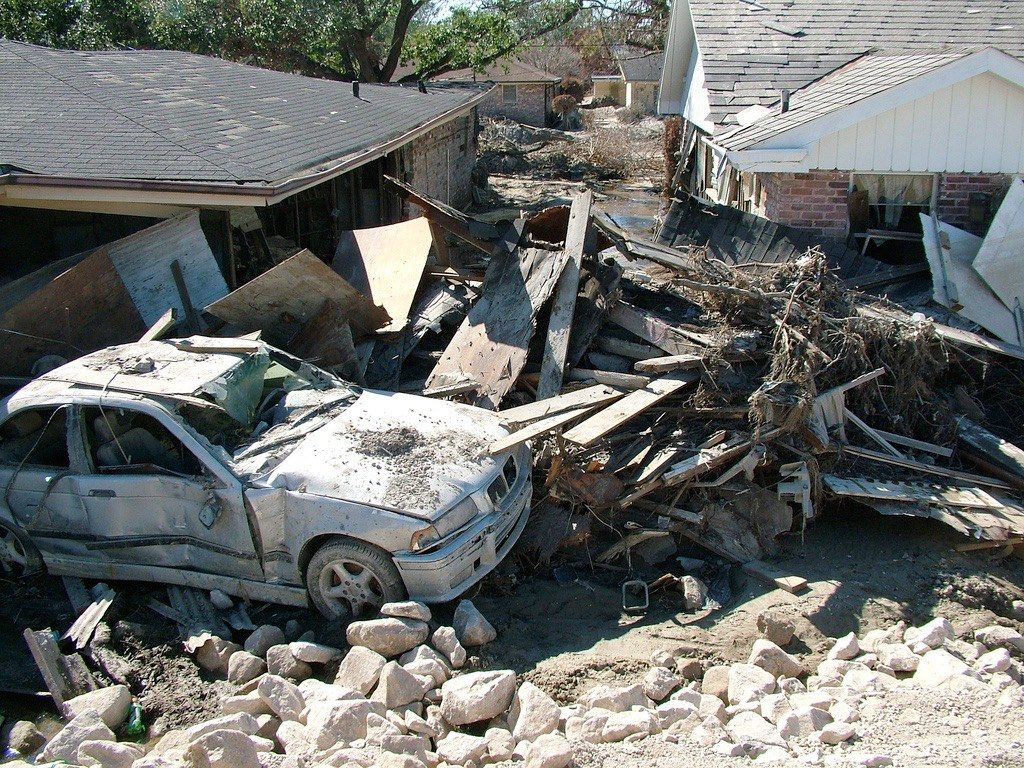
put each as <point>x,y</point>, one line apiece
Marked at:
<point>445,573</point>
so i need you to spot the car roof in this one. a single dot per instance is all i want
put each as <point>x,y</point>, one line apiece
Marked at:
<point>173,368</point>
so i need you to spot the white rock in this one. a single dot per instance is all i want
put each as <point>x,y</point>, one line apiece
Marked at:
<point>845,648</point>
<point>771,658</point>
<point>108,754</point>
<point>994,661</point>
<point>88,726</point>
<point>500,744</point>
<point>800,723</point>
<point>110,703</point>
<point>281,662</point>
<point>695,593</point>
<point>778,629</point>
<point>398,686</point>
<point>314,690</point>
<point>621,725</point>
<point>437,671</point>
<point>471,627</point>
<point>447,642</point>
<point>533,713</point>
<point>460,748</point>
<point>477,696</point>
<point>819,699</point>
<point>995,637</point>
<point>750,726</point>
<point>360,669</point>
<point>378,728</point>
<point>282,697</point>
<point>241,721</point>
<point>614,699</point>
<point>938,666</point>
<point>844,712</point>
<point>709,732</point>
<point>313,653</point>
<point>211,652</point>
<point>423,653</point>
<point>897,656</point>
<point>933,634</point>
<point>392,760</point>
<point>748,682</point>
<point>661,658</point>
<point>251,703</point>
<point>294,738</point>
<point>588,726</point>
<point>836,733</point>
<point>728,749</point>
<point>388,636</point>
<point>671,712</point>
<point>550,750</point>
<point>715,681</point>
<point>659,682</point>
<point>866,759</point>
<point>244,666</point>
<point>868,680</point>
<point>337,722</point>
<point>773,755</point>
<point>222,749</point>
<point>790,685</point>
<point>408,609</point>
<point>773,706</point>
<point>711,706</point>
<point>417,724</point>
<point>264,638</point>
<point>835,669</point>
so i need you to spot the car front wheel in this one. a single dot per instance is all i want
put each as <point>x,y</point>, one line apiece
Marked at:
<point>349,578</point>
<point>16,557</point>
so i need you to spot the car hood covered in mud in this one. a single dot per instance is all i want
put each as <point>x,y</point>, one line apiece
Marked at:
<point>410,454</point>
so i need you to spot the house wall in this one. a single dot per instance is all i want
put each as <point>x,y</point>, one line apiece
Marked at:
<point>974,126</point>
<point>818,199</point>
<point>642,97</point>
<point>533,101</point>
<point>609,90</point>
<point>440,163</point>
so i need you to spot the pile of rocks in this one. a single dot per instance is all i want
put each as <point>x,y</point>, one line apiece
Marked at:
<point>401,698</point>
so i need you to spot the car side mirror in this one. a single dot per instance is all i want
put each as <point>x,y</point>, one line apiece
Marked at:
<point>210,512</point>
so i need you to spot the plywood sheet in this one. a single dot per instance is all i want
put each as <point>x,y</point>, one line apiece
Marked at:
<point>143,260</point>
<point>386,264</point>
<point>491,345</point>
<point>1000,259</point>
<point>284,298</point>
<point>81,310</point>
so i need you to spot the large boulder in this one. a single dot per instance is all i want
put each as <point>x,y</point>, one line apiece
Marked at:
<point>996,636</point>
<point>263,639</point>
<point>337,722</point>
<point>211,652</point>
<point>748,682</point>
<point>471,627</point>
<point>551,750</point>
<point>933,634</point>
<point>461,748</point>
<point>282,697</point>
<point>360,669</point>
<point>24,738</point>
<point>110,703</point>
<point>477,696</point>
<point>87,726</point>
<point>408,609</point>
<point>750,726</point>
<point>622,725</point>
<point>800,723</point>
<point>659,682</point>
<point>389,637</point>
<point>108,754</point>
<point>244,666</point>
<point>771,658</point>
<point>398,687</point>
<point>533,713</point>
<point>715,681</point>
<point>614,698</point>
<point>222,749</point>
<point>845,648</point>
<point>313,653</point>
<point>282,662</point>
<point>938,666</point>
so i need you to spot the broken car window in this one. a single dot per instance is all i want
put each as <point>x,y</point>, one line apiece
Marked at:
<point>121,440</point>
<point>38,437</point>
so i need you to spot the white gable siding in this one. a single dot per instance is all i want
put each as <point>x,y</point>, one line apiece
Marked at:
<point>974,126</point>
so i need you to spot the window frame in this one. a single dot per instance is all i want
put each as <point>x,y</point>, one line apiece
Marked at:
<point>512,88</point>
<point>23,463</point>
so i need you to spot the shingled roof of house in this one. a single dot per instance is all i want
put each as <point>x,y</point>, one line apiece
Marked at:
<point>167,116</point>
<point>503,71</point>
<point>639,66</point>
<point>751,49</point>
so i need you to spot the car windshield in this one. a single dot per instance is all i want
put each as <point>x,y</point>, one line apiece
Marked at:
<point>266,399</point>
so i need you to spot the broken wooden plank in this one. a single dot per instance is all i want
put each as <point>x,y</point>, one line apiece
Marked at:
<point>917,445</point>
<point>929,493</point>
<point>673,513</point>
<point>655,330</point>
<point>774,577</point>
<point>632,405</point>
<point>668,363</point>
<point>192,320</point>
<point>631,349</point>
<point>918,466</point>
<point>167,321</point>
<point>282,299</point>
<point>386,264</point>
<point>877,438</point>
<point>556,344</point>
<point>80,633</point>
<point>598,394</point>
<point>477,233</point>
<point>658,463</point>
<point>537,428</point>
<point>1002,453</point>
<point>610,378</point>
<point>707,459</point>
<point>326,341</point>
<point>65,676</point>
<point>78,595</point>
<point>491,345</point>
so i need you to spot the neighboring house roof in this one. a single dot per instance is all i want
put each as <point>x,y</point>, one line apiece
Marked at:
<point>751,49</point>
<point>161,117</point>
<point>503,71</point>
<point>944,111</point>
<point>639,66</point>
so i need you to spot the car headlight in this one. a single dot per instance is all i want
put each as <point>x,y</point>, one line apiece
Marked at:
<point>424,538</point>
<point>456,517</point>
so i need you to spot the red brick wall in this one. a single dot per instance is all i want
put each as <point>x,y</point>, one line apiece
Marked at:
<point>815,200</point>
<point>954,193</point>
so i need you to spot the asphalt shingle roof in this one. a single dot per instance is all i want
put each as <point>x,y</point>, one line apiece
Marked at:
<point>504,71</point>
<point>858,80</point>
<point>748,60</point>
<point>640,66</point>
<point>172,116</point>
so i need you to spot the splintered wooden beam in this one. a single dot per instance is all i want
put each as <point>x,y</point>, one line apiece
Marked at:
<point>632,405</point>
<point>598,394</point>
<point>656,331</point>
<point>537,428</point>
<point>556,345</point>
<point>707,459</point>
<point>611,378</point>
<point>669,363</point>
<point>477,233</point>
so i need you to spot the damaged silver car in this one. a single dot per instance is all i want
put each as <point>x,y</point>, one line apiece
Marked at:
<point>228,464</point>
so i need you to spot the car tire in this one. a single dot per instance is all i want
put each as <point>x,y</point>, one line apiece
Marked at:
<point>350,578</point>
<point>18,556</point>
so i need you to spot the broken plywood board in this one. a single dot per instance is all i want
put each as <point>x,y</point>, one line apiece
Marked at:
<point>81,310</point>
<point>556,343</point>
<point>715,456</point>
<point>987,524</point>
<point>632,405</point>
<point>284,298</point>
<point>928,469</point>
<point>927,493</point>
<point>958,286</point>
<point>598,394</point>
<point>386,264</point>
<point>491,345</point>
<point>143,260</point>
<point>477,233</point>
<point>656,331</point>
<point>326,341</point>
<point>999,260</point>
